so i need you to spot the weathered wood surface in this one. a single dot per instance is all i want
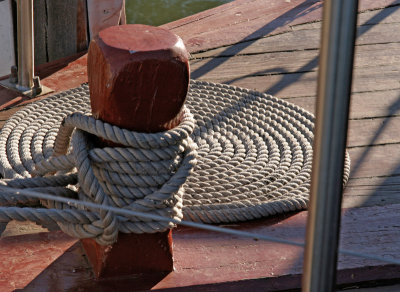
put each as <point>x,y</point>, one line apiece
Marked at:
<point>230,69</point>
<point>283,61</point>
<point>251,20</point>
<point>285,64</point>
<point>82,36</point>
<point>7,58</point>
<point>205,261</point>
<point>40,31</point>
<point>103,14</point>
<point>60,29</point>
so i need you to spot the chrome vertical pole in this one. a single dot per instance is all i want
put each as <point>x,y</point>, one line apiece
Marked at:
<point>25,44</point>
<point>333,97</point>
<point>22,77</point>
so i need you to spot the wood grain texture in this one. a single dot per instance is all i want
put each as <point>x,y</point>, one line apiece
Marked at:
<point>371,191</point>
<point>376,161</point>
<point>207,261</point>
<point>230,69</point>
<point>305,84</point>
<point>82,37</point>
<point>368,104</point>
<point>24,257</point>
<point>304,38</point>
<point>250,20</point>
<point>377,131</point>
<point>103,14</point>
<point>138,77</point>
<point>60,28</point>
<point>40,31</point>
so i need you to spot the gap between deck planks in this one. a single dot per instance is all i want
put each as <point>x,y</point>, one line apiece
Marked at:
<point>307,36</point>
<point>232,69</point>
<point>213,28</point>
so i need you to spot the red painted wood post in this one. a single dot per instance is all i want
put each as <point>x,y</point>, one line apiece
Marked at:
<point>138,80</point>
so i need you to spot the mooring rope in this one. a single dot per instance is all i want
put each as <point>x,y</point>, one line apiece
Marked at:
<point>254,157</point>
<point>147,176</point>
<point>245,234</point>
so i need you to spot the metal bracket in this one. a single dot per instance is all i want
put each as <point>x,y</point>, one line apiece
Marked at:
<point>12,83</point>
<point>22,79</point>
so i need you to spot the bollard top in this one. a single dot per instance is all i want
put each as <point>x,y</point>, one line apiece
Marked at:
<point>140,38</point>
<point>138,77</point>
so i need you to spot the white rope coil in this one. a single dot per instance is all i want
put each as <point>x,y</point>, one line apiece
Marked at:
<point>254,160</point>
<point>145,176</point>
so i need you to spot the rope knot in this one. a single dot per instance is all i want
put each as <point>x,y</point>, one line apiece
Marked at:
<point>146,175</point>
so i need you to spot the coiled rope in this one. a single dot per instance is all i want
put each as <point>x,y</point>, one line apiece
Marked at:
<point>254,158</point>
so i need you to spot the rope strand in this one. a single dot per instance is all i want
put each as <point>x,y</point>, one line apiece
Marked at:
<point>254,156</point>
<point>130,213</point>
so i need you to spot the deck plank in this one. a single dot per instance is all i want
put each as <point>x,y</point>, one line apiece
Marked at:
<point>59,75</point>
<point>205,261</point>
<point>375,104</point>
<point>308,37</point>
<point>248,21</point>
<point>252,20</point>
<point>375,161</point>
<point>371,191</point>
<point>275,63</point>
<point>378,131</point>
<point>305,84</point>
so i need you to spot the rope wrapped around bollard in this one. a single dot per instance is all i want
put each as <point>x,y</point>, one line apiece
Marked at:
<point>254,155</point>
<point>147,176</point>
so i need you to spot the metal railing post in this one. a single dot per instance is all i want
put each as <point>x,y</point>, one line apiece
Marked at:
<point>22,77</point>
<point>25,44</point>
<point>333,97</point>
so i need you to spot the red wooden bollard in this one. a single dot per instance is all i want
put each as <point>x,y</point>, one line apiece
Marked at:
<point>138,80</point>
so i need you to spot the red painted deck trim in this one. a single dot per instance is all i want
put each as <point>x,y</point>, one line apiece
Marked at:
<point>25,257</point>
<point>206,260</point>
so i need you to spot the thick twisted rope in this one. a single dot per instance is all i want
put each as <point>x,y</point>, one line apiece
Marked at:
<point>147,176</point>
<point>254,158</point>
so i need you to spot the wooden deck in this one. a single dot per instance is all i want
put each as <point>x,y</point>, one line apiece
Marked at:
<point>271,46</point>
<point>274,49</point>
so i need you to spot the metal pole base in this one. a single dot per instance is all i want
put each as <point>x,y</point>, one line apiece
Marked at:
<point>36,90</point>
